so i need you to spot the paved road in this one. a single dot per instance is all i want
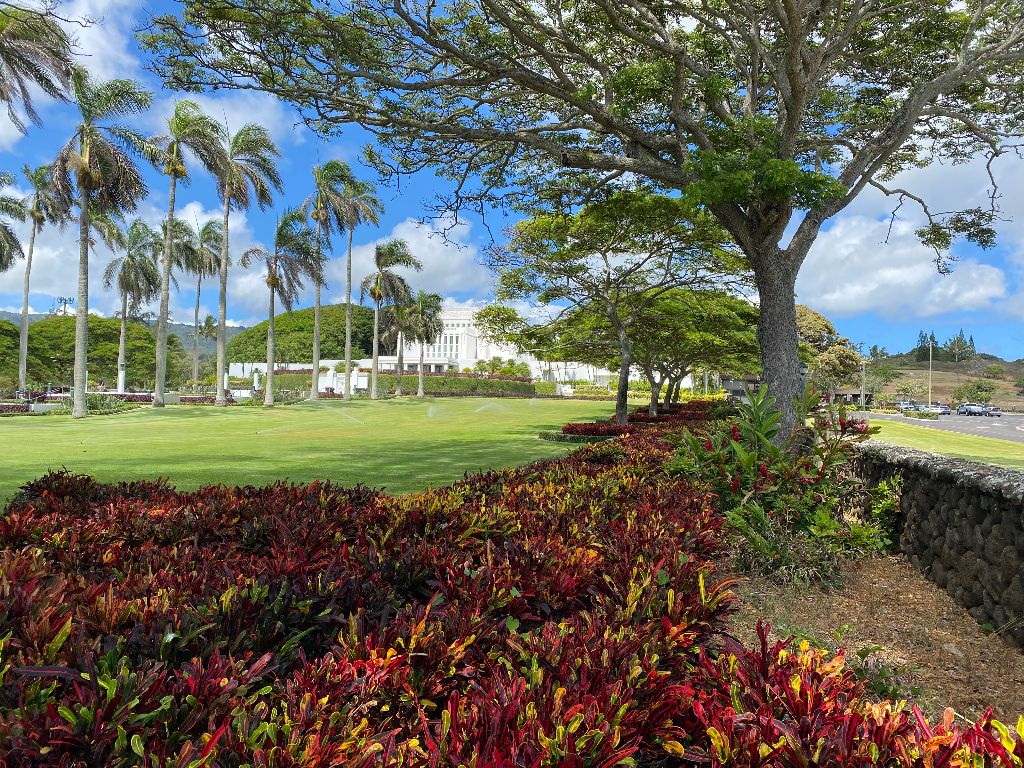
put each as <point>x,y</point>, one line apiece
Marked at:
<point>1006,427</point>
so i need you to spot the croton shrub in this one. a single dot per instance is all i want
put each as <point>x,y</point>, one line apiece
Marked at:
<point>565,613</point>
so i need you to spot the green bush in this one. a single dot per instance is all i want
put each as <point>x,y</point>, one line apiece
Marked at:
<point>300,381</point>
<point>546,388</point>
<point>590,390</point>
<point>928,415</point>
<point>458,385</point>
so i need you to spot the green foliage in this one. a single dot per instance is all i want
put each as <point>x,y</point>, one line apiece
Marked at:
<point>924,415</point>
<point>99,404</point>
<point>293,334</point>
<point>995,371</point>
<point>40,369</point>
<point>911,390</point>
<point>884,506</point>
<point>783,502</point>
<point>1019,384</point>
<point>974,392</point>
<point>496,366</point>
<point>56,335</point>
<point>459,385</point>
<point>545,387</point>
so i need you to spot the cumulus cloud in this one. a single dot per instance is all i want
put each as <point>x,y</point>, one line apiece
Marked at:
<point>450,265</point>
<point>851,270</point>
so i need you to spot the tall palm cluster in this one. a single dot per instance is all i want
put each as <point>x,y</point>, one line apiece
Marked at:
<point>95,181</point>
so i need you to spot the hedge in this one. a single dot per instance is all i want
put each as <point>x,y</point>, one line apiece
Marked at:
<point>546,388</point>
<point>440,384</point>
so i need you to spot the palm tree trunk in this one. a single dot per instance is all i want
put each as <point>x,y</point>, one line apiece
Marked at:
<point>122,344</point>
<point>222,307</point>
<point>78,406</point>
<point>314,393</point>
<point>195,331</point>
<point>401,365</point>
<point>268,385</point>
<point>165,300</point>
<point>373,367</point>
<point>23,340</point>
<point>348,319</point>
<point>419,388</point>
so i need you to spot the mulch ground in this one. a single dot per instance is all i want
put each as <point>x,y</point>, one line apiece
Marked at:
<point>928,648</point>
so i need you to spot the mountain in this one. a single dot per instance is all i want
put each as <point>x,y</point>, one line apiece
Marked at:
<point>207,347</point>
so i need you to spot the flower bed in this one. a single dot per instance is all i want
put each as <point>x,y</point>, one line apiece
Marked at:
<point>12,408</point>
<point>205,399</point>
<point>501,621</point>
<point>598,429</point>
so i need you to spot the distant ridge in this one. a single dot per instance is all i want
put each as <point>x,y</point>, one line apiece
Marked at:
<point>207,347</point>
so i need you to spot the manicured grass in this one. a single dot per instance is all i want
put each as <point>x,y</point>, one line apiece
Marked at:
<point>403,445</point>
<point>988,450</point>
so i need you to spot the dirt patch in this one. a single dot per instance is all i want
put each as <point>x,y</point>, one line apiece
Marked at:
<point>916,642</point>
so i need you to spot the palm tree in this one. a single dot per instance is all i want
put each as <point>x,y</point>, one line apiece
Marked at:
<point>361,205</point>
<point>426,312</point>
<point>137,277</point>
<point>295,256</point>
<point>205,256</point>
<point>385,286</point>
<point>34,51</point>
<point>95,172</point>
<point>401,327</point>
<point>187,129</point>
<point>42,207</point>
<point>249,174</point>
<point>326,206</point>
<point>10,208</point>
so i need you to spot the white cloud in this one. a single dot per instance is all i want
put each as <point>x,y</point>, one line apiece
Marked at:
<point>105,46</point>
<point>450,265</point>
<point>851,270</point>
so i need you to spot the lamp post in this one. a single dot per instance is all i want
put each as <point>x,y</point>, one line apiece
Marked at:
<point>863,384</point>
<point>930,343</point>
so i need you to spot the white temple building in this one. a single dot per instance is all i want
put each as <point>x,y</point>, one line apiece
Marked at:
<point>458,346</point>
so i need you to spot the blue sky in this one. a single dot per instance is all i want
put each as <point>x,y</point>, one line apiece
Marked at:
<point>875,292</point>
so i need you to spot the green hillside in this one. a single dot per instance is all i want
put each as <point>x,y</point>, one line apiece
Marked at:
<point>293,336</point>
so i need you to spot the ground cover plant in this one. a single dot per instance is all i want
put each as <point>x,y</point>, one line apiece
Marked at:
<point>564,613</point>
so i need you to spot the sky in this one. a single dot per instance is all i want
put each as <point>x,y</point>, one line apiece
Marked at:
<point>876,289</point>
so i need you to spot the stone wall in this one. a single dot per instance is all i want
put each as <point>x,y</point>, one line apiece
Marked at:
<point>962,524</point>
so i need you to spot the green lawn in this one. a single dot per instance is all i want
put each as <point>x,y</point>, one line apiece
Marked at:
<point>403,445</point>
<point>988,450</point>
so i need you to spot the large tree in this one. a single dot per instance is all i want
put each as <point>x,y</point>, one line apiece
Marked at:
<point>42,206</point>
<point>326,205</point>
<point>96,172</point>
<point>779,114</point>
<point>386,288</point>
<point>293,259</point>
<point>136,276</point>
<point>248,175</point>
<point>616,257</point>
<point>188,128</point>
<point>35,52</point>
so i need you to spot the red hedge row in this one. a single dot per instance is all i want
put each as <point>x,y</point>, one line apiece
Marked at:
<point>564,613</point>
<point>14,408</point>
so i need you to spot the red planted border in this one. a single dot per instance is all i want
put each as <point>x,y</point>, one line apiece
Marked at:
<point>505,620</point>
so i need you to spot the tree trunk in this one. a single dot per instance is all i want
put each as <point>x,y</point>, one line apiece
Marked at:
<point>222,309</point>
<point>655,391</point>
<point>268,384</point>
<point>419,389</point>
<point>373,367</point>
<point>195,332</point>
<point>78,406</point>
<point>626,360</point>
<point>401,365</point>
<point>777,337</point>
<point>314,392</point>
<point>122,344</point>
<point>348,319</point>
<point>23,337</point>
<point>165,300</point>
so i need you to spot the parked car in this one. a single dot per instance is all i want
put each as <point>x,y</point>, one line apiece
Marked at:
<point>939,408</point>
<point>906,405</point>
<point>970,409</point>
<point>993,410</point>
